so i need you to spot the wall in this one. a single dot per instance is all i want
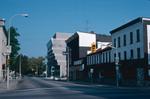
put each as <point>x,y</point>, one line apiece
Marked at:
<point>129,46</point>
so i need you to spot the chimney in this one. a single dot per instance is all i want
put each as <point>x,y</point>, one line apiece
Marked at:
<point>2,22</point>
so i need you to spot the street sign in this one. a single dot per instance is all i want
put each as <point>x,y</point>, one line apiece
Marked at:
<point>65,53</point>
<point>8,50</point>
<point>91,70</point>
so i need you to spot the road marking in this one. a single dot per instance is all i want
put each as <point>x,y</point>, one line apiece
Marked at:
<point>34,89</point>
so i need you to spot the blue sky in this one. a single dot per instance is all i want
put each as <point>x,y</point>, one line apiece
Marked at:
<point>49,16</point>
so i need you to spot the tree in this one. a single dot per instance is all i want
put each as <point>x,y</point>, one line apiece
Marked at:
<point>15,46</point>
<point>24,64</point>
<point>37,65</point>
<point>33,65</point>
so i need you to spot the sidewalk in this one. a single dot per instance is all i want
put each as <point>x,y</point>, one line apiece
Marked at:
<point>99,85</point>
<point>12,85</point>
<point>110,86</point>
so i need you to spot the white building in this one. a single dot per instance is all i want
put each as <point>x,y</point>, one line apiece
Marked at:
<point>3,43</point>
<point>56,46</point>
<point>80,45</point>
<point>131,43</point>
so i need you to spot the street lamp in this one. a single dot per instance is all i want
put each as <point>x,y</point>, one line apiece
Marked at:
<point>46,67</point>
<point>20,66</point>
<point>8,43</point>
<point>117,66</point>
<point>116,63</point>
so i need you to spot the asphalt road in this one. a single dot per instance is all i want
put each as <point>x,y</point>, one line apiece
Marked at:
<point>38,88</point>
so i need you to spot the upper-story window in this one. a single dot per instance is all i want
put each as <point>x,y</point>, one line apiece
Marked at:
<point>125,55</point>
<point>119,56</point>
<point>109,56</point>
<point>97,58</point>
<point>124,40</point>
<point>100,59</point>
<point>103,57</point>
<point>87,61</point>
<point>118,41</point>
<point>106,57</point>
<point>138,35</point>
<point>131,53</point>
<point>131,37</point>
<point>114,57</point>
<point>138,53</point>
<point>114,42</point>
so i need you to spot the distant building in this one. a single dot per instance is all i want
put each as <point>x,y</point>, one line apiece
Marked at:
<point>79,44</point>
<point>3,43</point>
<point>56,60</point>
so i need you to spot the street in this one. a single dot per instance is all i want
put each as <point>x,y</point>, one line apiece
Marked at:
<point>39,88</point>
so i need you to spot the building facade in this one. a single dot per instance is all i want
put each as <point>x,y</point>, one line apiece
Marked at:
<point>56,60</point>
<point>80,45</point>
<point>3,44</point>
<point>132,41</point>
<point>130,48</point>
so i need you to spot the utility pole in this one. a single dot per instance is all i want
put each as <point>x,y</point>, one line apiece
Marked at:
<point>8,44</point>
<point>20,67</point>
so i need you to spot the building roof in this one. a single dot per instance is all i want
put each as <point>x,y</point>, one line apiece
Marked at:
<point>101,50</point>
<point>2,24</point>
<point>75,35</point>
<point>62,35</point>
<point>137,20</point>
<point>99,37</point>
<point>103,38</point>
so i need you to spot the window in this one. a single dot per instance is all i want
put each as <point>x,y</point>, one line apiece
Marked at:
<point>118,41</point>
<point>131,37</point>
<point>119,56</point>
<point>109,57</point>
<point>106,57</point>
<point>125,55</point>
<point>114,57</point>
<point>90,60</point>
<point>103,57</point>
<point>114,42</point>
<point>99,58</point>
<point>93,59</point>
<point>138,53</point>
<point>138,35</point>
<point>124,40</point>
<point>131,53</point>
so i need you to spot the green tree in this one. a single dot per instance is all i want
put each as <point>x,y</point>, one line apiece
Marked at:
<point>15,46</point>
<point>33,65</point>
<point>24,64</point>
<point>37,65</point>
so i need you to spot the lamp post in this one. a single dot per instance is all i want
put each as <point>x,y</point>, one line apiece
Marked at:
<point>46,67</point>
<point>20,66</point>
<point>8,43</point>
<point>116,63</point>
<point>117,66</point>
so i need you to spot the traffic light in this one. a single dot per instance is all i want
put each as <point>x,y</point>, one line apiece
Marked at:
<point>93,47</point>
